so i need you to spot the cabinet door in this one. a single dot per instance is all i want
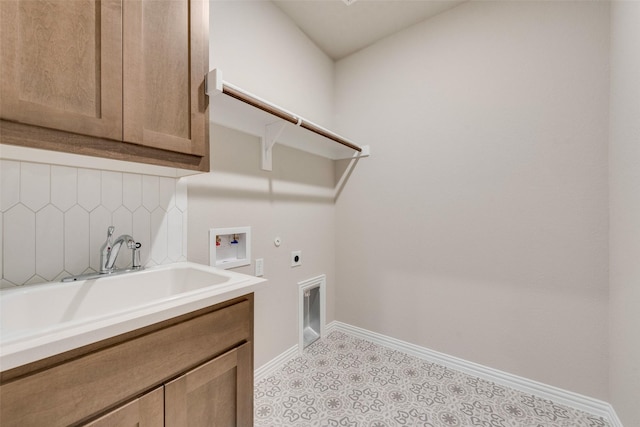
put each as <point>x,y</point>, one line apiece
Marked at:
<point>218,393</point>
<point>146,411</point>
<point>61,65</point>
<point>164,70</point>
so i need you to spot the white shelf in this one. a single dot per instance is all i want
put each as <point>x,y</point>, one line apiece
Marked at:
<point>272,124</point>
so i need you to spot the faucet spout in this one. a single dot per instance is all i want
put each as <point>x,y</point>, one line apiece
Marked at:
<point>105,249</point>
<point>110,255</point>
<point>115,250</point>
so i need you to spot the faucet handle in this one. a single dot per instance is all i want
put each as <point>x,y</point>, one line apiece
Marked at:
<point>105,249</point>
<point>110,231</point>
<point>135,257</point>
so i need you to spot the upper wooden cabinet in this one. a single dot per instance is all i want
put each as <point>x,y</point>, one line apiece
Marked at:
<point>109,72</point>
<point>163,74</point>
<point>61,65</point>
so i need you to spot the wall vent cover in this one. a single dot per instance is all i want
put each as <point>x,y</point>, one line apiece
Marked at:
<point>311,314</point>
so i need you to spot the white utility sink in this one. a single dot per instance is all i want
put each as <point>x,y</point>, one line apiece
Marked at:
<point>38,321</point>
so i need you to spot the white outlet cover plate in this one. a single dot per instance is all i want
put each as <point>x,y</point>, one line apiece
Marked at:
<point>295,254</point>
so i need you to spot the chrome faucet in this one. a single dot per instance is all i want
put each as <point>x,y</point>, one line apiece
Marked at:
<point>110,250</point>
<point>109,253</point>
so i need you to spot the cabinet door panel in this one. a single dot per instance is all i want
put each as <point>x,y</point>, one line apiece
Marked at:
<point>220,392</point>
<point>164,73</point>
<point>146,411</point>
<point>61,65</point>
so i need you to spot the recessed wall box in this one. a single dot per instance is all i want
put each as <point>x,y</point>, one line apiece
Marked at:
<point>311,310</point>
<point>229,247</point>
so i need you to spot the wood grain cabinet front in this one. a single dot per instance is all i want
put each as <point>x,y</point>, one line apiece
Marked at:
<point>163,71</point>
<point>145,411</point>
<point>216,393</point>
<point>106,72</point>
<point>192,370</point>
<point>61,65</point>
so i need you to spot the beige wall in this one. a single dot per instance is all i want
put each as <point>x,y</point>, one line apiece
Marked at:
<point>624,153</point>
<point>478,228</point>
<point>294,202</point>
<point>259,49</point>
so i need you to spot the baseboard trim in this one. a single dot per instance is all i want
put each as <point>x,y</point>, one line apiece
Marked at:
<point>274,364</point>
<point>564,397</point>
<point>558,395</point>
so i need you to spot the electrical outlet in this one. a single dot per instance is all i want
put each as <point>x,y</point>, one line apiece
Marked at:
<point>296,258</point>
<point>259,267</point>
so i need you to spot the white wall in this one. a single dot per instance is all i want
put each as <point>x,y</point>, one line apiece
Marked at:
<point>294,202</point>
<point>624,157</point>
<point>479,226</point>
<point>55,218</point>
<point>259,49</point>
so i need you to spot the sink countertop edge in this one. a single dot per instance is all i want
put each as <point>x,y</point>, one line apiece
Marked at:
<point>21,353</point>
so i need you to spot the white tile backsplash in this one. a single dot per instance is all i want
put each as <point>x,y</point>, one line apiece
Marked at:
<point>141,224</point>
<point>167,193</point>
<point>1,238</point>
<point>64,182</point>
<point>76,242</point>
<point>131,191</point>
<point>88,188</point>
<point>49,242</point>
<point>174,234</point>
<point>150,192</point>
<point>111,190</point>
<point>19,252</point>
<point>35,185</point>
<point>159,227</point>
<point>181,195</point>
<point>54,219</point>
<point>9,192</point>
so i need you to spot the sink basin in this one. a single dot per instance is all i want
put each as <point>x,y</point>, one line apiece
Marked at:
<point>38,309</point>
<point>47,319</point>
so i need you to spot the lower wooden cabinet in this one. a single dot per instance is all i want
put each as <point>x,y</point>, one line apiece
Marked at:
<point>193,370</point>
<point>216,393</point>
<point>145,411</point>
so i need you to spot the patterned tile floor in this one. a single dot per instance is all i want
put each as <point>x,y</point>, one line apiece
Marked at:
<point>345,381</point>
